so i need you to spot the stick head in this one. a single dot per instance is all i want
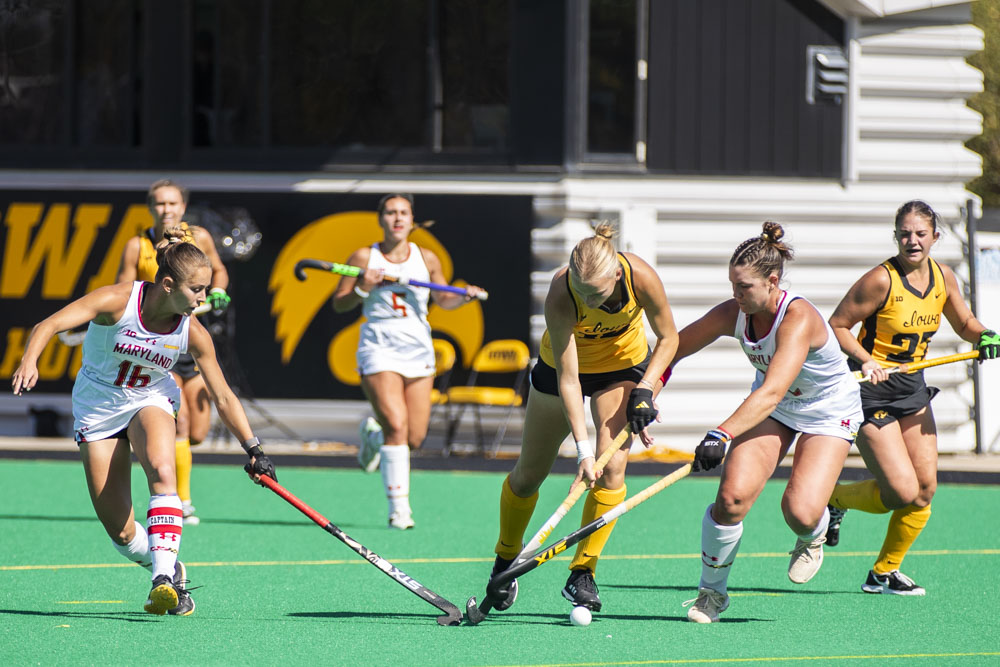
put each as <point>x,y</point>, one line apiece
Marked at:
<point>300,269</point>
<point>472,612</point>
<point>452,618</point>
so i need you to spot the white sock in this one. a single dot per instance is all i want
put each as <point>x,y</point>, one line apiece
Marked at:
<point>819,530</point>
<point>137,550</point>
<point>164,521</point>
<point>719,545</point>
<point>396,477</point>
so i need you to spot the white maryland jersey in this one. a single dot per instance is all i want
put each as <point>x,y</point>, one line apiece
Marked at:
<point>395,302</point>
<point>127,354</point>
<point>396,336</point>
<point>823,371</point>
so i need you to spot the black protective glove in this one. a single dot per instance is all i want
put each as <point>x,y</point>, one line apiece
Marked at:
<point>640,410</point>
<point>261,466</point>
<point>989,345</point>
<point>711,451</point>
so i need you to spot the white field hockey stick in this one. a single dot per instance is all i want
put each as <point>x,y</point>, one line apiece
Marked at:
<point>355,271</point>
<point>545,555</point>
<point>926,363</point>
<point>475,612</point>
<point>73,338</point>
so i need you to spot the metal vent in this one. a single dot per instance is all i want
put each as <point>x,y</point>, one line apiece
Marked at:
<point>827,70</point>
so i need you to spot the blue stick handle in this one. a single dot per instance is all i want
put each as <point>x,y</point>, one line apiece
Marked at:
<point>354,271</point>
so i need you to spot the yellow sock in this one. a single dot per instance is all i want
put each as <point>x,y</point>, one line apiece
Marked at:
<point>515,513</point>
<point>182,462</point>
<point>589,549</point>
<point>905,527</point>
<point>864,496</point>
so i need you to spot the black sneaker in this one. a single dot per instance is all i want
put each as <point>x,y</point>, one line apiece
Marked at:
<point>162,596</point>
<point>185,603</point>
<point>509,592</point>
<point>833,530</point>
<point>892,583</point>
<point>581,590</point>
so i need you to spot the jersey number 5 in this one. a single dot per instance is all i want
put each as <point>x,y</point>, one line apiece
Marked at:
<point>398,303</point>
<point>136,379</point>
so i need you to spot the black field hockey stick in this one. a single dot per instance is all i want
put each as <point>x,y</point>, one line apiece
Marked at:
<point>545,555</point>
<point>475,612</point>
<point>452,614</point>
<point>355,271</point>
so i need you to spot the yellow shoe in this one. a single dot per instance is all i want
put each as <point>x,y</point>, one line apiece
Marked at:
<point>162,597</point>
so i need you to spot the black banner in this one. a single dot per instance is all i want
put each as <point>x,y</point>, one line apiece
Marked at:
<point>281,338</point>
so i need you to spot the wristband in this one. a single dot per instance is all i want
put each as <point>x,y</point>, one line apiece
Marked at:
<point>729,436</point>
<point>584,450</point>
<point>252,447</point>
<point>360,292</point>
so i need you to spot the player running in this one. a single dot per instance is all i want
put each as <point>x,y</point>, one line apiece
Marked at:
<point>124,395</point>
<point>395,353</point>
<point>899,305</point>
<point>167,202</point>
<point>594,345</point>
<point>803,386</point>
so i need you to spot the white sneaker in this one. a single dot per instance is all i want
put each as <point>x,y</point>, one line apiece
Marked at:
<point>807,557</point>
<point>401,520</point>
<point>188,512</point>
<point>371,441</point>
<point>707,606</point>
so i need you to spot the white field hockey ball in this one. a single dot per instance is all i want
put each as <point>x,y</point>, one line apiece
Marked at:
<point>580,616</point>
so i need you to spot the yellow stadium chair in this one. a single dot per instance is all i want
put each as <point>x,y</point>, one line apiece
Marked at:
<point>444,362</point>
<point>504,358</point>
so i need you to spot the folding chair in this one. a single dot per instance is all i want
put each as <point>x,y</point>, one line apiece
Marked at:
<point>504,357</point>
<point>444,362</point>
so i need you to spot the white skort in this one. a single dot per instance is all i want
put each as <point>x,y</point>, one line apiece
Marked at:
<point>100,411</point>
<point>837,414</point>
<point>406,350</point>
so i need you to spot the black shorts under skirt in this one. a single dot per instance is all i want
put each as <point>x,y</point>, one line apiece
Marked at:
<point>543,377</point>
<point>185,367</point>
<point>901,395</point>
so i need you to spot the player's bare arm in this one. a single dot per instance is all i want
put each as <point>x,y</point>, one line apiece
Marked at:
<point>797,332</point>
<point>230,410</point>
<point>653,299</point>
<point>203,239</point>
<point>104,305</point>
<point>863,298</point>
<point>344,297</point>
<point>128,271</point>
<point>446,300</point>
<point>957,311</point>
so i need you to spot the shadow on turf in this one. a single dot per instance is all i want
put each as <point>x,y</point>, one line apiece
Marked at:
<point>130,616</point>
<point>37,517</point>
<point>732,589</point>
<point>563,619</point>
<point>355,615</point>
<point>237,522</point>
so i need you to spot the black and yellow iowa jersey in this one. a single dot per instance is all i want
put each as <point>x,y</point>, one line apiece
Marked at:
<point>147,267</point>
<point>606,341</point>
<point>898,332</point>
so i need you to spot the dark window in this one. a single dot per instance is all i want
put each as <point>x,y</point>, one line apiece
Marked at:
<point>32,73</point>
<point>475,45</point>
<point>611,76</point>
<point>106,63</point>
